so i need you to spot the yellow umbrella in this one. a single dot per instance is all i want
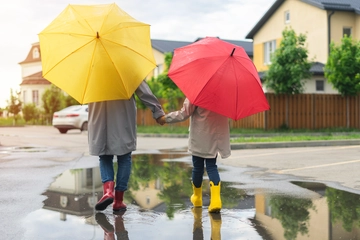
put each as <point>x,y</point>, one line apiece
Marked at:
<point>96,52</point>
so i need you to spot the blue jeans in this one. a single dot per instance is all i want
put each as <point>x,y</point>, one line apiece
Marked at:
<point>123,171</point>
<point>198,170</point>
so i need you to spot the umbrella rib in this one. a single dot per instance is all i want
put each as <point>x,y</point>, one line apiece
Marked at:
<point>44,75</point>
<point>107,53</point>
<point>246,68</point>
<point>208,81</point>
<point>132,50</point>
<point>70,33</point>
<point>84,19</point>
<point>68,56</point>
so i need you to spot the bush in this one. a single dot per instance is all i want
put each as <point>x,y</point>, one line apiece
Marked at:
<point>30,112</point>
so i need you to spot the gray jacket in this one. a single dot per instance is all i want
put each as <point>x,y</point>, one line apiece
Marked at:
<point>112,124</point>
<point>209,132</point>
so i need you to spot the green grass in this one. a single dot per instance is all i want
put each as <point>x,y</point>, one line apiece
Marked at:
<point>9,122</point>
<point>260,135</point>
<point>166,129</point>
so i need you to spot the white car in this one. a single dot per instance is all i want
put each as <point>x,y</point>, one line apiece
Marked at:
<point>73,117</point>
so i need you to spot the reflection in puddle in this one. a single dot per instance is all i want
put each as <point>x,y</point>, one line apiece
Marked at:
<point>159,208</point>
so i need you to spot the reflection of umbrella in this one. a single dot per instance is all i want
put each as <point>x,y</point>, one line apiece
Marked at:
<point>218,76</point>
<point>96,53</point>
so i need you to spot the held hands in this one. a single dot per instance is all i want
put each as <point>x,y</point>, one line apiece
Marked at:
<point>161,120</point>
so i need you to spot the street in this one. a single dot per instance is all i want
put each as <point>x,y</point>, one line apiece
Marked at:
<point>32,157</point>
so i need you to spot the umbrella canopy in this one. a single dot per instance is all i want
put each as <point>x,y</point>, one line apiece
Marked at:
<point>218,76</point>
<point>96,52</point>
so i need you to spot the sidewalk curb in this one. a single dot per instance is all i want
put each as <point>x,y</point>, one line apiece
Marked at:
<point>236,146</point>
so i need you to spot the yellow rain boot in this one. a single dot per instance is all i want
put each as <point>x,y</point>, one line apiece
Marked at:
<point>196,198</point>
<point>215,200</point>
<point>215,222</point>
<point>198,228</point>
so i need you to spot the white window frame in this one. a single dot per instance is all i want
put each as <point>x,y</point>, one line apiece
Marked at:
<point>287,16</point>
<point>269,48</point>
<point>35,97</point>
<point>36,53</point>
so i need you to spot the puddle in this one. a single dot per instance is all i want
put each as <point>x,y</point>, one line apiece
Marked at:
<point>7,150</point>
<point>159,208</point>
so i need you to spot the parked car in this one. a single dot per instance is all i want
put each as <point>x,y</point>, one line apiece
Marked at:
<point>73,117</point>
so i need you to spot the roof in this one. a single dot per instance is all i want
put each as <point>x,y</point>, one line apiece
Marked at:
<point>247,45</point>
<point>336,5</point>
<point>35,78</point>
<point>317,69</point>
<point>30,57</point>
<point>165,46</point>
<point>332,5</point>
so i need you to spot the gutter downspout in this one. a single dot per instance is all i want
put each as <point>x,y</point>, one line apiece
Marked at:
<point>329,31</point>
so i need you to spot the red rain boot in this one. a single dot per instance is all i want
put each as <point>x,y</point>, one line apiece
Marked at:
<point>102,220</point>
<point>118,203</point>
<point>108,196</point>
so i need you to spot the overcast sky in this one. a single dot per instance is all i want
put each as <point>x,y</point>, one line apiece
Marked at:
<point>184,20</point>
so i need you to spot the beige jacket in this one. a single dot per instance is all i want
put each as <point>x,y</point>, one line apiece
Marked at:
<point>209,131</point>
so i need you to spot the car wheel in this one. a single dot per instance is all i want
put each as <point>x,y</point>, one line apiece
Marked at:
<point>84,127</point>
<point>63,130</point>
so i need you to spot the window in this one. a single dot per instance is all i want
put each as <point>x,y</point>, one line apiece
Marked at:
<point>287,16</point>
<point>320,85</point>
<point>35,97</point>
<point>347,31</point>
<point>269,48</point>
<point>24,97</point>
<point>36,53</point>
<point>157,71</point>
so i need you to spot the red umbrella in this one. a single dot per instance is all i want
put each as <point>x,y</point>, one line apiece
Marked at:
<point>218,76</point>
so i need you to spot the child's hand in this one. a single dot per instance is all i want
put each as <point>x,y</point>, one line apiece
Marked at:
<point>161,120</point>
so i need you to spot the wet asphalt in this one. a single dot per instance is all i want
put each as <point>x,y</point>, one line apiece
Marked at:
<point>34,163</point>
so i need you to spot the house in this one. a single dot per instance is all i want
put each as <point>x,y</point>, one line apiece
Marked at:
<point>160,48</point>
<point>33,85</point>
<point>321,21</point>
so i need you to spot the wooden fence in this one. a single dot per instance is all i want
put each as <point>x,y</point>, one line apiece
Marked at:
<point>302,111</point>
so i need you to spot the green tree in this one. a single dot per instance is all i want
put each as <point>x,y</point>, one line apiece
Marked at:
<point>293,213</point>
<point>70,101</point>
<point>165,87</point>
<point>30,112</point>
<point>289,65</point>
<point>342,68</point>
<point>344,207</point>
<point>53,100</point>
<point>14,104</point>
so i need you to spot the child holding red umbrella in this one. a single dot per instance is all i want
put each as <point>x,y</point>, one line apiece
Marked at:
<point>209,136</point>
